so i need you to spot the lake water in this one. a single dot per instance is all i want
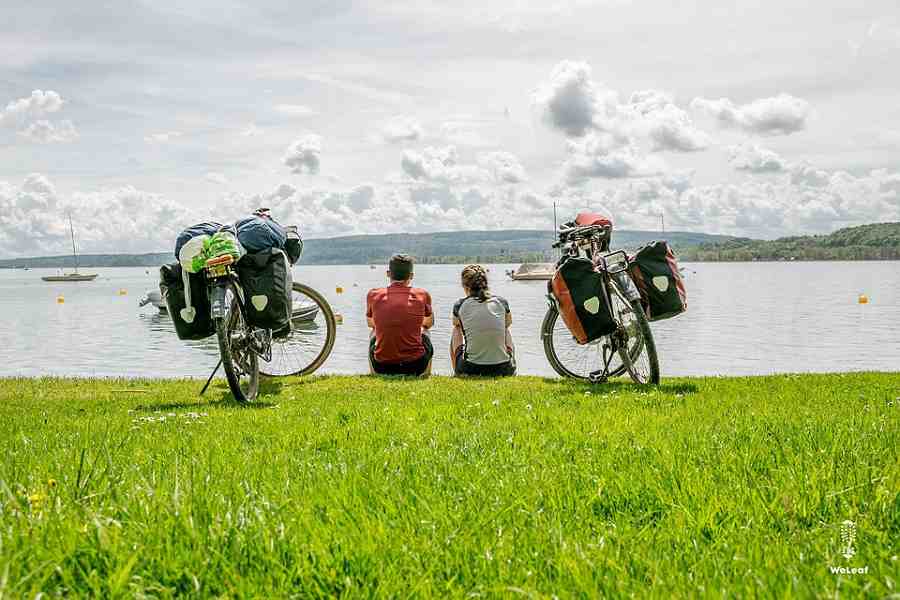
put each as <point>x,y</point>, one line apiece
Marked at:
<point>743,319</point>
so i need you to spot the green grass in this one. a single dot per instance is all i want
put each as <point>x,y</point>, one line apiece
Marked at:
<point>360,486</point>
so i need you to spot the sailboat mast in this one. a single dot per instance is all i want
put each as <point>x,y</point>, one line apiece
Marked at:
<point>74,253</point>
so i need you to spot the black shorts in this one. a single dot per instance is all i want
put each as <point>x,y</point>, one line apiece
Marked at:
<point>413,367</point>
<point>463,367</point>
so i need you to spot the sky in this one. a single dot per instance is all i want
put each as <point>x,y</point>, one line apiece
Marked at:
<point>754,118</point>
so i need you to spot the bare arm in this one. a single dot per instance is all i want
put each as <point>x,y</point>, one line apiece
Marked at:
<point>370,322</point>
<point>508,320</point>
<point>428,322</point>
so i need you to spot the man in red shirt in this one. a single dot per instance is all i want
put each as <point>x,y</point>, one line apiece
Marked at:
<point>400,316</point>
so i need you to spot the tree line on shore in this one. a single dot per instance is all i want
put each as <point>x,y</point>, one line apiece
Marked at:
<point>879,241</point>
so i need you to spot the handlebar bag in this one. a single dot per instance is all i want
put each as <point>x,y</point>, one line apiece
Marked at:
<point>257,234</point>
<point>582,299</point>
<point>656,275</point>
<point>190,324</point>
<point>267,282</point>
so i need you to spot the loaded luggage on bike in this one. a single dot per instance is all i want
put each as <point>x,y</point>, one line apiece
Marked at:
<point>236,281</point>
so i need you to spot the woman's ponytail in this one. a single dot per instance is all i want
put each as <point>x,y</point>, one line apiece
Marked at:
<point>474,277</point>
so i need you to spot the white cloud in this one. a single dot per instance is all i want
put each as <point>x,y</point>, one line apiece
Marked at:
<point>304,155</point>
<point>442,165</point>
<point>162,137</point>
<point>294,110</point>
<point>504,167</point>
<point>33,219</point>
<point>761,208</point>
<point>216,178</point>
<point>46,132</point>
<point>401,129</point>
<point>756,159</point>
<point>598,155</point>
<point>27,117</point>
<point>360,198</point>
<point>805,174</point>
<point>779,115</point>
<point>655,116</point>
<point>40,104</point>
<point>569,100</point>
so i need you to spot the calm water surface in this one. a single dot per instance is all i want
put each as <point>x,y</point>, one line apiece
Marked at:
<point>747,318</point>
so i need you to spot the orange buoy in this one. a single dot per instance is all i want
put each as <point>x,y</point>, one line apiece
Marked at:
<point>123,292</point>
<point>863,299</point>
<point>339,318</point>
<point>339,290</point>
<point>60,299</point>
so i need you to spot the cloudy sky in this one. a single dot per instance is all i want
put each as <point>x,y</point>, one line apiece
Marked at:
<point>744,117</point>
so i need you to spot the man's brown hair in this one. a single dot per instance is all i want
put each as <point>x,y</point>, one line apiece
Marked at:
<point>401,267</point>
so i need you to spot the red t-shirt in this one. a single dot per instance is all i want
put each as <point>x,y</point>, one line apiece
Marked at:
<point>398,311</point>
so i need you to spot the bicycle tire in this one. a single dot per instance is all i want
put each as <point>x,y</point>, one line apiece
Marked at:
<point>649,344</point>
<point>330,335</point>
<point>225,326</point>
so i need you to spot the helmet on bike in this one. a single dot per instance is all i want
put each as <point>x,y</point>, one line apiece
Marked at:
<point>591,218</point>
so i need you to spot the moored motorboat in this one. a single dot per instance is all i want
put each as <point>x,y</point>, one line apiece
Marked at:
<point>532,272</point>
<point>305,312</point>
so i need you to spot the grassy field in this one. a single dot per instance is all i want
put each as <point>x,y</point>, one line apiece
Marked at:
<point>356,486</point>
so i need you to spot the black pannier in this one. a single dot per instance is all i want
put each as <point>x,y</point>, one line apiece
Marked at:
<point>656,275</point>
<point>190,324</point>
<point>582,299</point>
<point>267,282</point>
<point>293,245</point>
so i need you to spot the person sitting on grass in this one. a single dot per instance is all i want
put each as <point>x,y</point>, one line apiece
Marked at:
<point>481,343</point>
<point>399,316</point>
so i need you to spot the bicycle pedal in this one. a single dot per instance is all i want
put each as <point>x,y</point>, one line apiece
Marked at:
<point>598,378</point>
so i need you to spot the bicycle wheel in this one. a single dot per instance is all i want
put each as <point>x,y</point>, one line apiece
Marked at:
<point>571,359</point>
<point>312,339</point>
<point>640,359</point>
<point>235,346</point>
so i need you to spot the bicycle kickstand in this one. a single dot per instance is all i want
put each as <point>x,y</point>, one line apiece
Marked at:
<point>211,375</point>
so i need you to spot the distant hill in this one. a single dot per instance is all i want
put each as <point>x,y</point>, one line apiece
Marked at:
<point>445,247</point>
<point>879,241</point>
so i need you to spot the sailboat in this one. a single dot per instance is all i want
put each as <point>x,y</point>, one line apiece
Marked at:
<point>74,276</point>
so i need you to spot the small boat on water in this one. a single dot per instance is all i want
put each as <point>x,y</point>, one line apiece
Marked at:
<point>75,275</point>
<point>532,272</point>
<point>71,277</point>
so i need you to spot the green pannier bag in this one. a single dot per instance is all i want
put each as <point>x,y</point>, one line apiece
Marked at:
<point>654,271</point>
